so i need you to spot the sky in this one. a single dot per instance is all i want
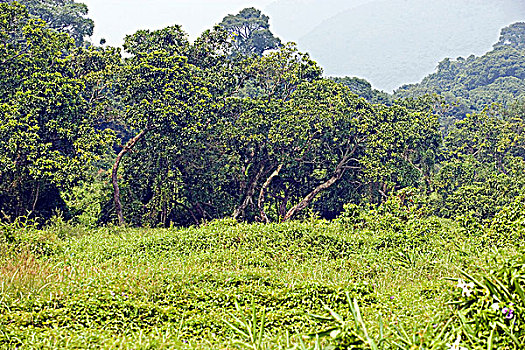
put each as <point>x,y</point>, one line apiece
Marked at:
<point>116,18</point>
<point>387,42</point>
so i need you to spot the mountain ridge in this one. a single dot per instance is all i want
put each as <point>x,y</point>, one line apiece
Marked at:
<point>395,42</point>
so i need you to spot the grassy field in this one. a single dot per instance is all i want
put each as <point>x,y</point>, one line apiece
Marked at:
<point>70,287</point>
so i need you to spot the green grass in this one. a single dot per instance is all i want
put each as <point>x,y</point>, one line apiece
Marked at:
<point>67,287</point>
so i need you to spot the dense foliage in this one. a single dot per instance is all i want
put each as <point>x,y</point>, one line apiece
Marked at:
<point>364,89</point>
<point>208,130</point>
<point>380,277</point>
<point>238,137</point>
<point>49,100</point>
<point>66,16</point>
<point>473,83</point>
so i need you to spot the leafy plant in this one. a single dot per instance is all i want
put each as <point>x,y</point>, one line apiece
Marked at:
<point>491,305</point>
<point>251,328</point>
<point>351,334</point>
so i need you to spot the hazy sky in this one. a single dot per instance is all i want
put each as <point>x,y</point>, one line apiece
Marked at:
<point>387,42</point>
<point>116,18</point>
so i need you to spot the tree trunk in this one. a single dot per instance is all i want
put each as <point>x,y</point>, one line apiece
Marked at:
<point>284,203</point>
<point>36,198</point>
<point>248,199</point>
<point>306,200</point>
<point>338,173</point>
<point>116,191</point>
<point>260,202</point>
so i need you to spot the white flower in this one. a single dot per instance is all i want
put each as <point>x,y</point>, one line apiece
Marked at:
<point>467,288</point>
<point>495,306</point>
<point>455,345</point>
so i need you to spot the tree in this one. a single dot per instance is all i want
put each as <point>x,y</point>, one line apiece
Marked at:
<point>250,33</point>
<point>65,16</point>
<point>172,173</point>
<point>48,135</point>
<point>163,95</point>
<point>338,125</point>
<point>249,126</point>
<point>364,89</point>
<point>513,35</point>
<point>484,163</point>
<point>359,147</point>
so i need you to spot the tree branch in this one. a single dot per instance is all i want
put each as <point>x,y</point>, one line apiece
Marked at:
<point>116,191</point>
<point>260,202</point>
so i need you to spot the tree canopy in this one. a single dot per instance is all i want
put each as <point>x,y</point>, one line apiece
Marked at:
<point>48,112</point>
<point>513,35</point>
<point>250,32</point>
<point>66,16</point>
<point>178,132</point>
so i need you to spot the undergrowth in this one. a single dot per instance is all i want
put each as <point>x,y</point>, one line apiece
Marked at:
<point>377,278</point>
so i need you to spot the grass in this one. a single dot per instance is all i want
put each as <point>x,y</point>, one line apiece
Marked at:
<point>177,288</point>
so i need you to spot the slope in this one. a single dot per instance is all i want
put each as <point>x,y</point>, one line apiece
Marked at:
<point>397,41</point>
<point>475,82</point>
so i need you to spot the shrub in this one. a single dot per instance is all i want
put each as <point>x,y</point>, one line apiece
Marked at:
<point>398,222</point>
<point>509,223</point>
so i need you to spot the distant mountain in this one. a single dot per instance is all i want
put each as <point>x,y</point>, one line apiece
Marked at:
<point>293,19</point>
<point>392,42</point>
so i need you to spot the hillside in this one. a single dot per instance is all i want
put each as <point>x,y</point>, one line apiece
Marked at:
<point>393,42</point>
<point>472,83</point>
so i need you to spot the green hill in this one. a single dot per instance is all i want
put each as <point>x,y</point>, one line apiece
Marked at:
<point>393,42</point>
<point>475,82</point>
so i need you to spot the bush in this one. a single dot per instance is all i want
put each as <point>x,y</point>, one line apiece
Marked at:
<point>398,222</point>
<point>509,223</point>
<point>23,235</point>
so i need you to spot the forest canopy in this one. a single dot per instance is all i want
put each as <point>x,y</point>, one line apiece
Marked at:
<point>236,124</point>
<point>470,84</point>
